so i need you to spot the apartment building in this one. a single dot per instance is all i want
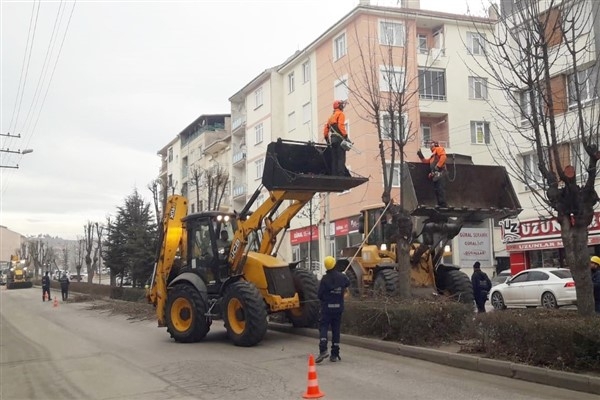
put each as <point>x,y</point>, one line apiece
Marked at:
<point>293,101</point>
<point>534,239</point>
<point>203,148</point>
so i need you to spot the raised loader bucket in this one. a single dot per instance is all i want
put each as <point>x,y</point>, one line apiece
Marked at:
<point>473,192</point>
<point>303,166</point>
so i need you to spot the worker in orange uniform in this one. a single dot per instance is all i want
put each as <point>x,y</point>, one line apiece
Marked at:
<point>437,162</point>
<point>335,133</point>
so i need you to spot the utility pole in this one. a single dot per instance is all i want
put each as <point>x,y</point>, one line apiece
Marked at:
<point>7,150</point>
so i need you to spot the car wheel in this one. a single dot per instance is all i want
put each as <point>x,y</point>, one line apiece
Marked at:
<point>498,301</point>
<point>549,301</point>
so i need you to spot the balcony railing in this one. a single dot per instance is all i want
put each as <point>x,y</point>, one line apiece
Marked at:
<point>238,122</point>
<point>239,157</point>
<point>239,190</point>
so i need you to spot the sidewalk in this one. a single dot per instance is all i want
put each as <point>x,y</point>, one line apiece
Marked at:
<point>566,380</point>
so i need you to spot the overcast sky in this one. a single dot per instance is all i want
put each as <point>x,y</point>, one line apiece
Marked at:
<point>97,104</point>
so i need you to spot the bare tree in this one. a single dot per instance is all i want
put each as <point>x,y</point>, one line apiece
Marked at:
<point>91,250</point>
<point>159,203</point>
<point>384,91</point>
<point>41,255</point>
<point>542,59</point>
<point>212,182</point>
<point>79,256</point>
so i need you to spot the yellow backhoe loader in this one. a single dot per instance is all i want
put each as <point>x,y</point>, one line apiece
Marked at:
<point>18,276</point>
<point>201,276</point>
<point>477,192</point>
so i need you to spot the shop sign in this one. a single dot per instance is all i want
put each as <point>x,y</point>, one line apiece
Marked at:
<point>302,235</point>
<point>341,227</point>
<point>353,224</point>
<point>474,245</point>
<point>545,244</point>
<point>513,230</point>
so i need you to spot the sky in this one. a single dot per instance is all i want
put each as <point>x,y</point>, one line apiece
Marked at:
<point>96,88</point>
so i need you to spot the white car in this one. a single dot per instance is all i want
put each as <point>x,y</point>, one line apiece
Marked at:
<point>546,287</point>
<point>502,277</point>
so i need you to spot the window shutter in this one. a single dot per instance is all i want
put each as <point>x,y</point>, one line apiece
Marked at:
<point>487,132</point>
<point>473,132</point>
<point>471,88</point>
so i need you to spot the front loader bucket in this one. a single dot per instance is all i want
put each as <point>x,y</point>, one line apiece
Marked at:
<point>303,166</point>
<point>473,192</point>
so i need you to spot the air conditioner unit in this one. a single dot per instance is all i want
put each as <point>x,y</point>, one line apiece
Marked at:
<point>435,53</point>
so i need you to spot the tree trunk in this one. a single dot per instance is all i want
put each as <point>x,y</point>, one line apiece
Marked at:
<point>575,239</point>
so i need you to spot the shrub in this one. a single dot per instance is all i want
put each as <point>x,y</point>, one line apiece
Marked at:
<point>408,322</point>
<point>548,338</point>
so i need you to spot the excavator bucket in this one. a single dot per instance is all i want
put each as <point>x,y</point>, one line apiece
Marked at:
<point>303,166</point>
<point>473,192</point>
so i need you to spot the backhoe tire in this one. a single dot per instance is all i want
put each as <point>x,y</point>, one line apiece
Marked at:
<point>386,283</point>
<point>353,288</point>
<point>185,314</point>
<point>244,313</point>
<point>307,287</point>
<point>457,285</point>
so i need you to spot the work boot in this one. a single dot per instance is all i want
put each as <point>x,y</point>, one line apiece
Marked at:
<point>335,358</point>
<point>323,355</point>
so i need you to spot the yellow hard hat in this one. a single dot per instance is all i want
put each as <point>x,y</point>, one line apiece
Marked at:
<point>595,259</point>
<point>329,262</point>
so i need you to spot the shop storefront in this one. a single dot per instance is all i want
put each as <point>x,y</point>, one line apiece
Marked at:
<point>305,241</point>
<point>537,243</point>
<point>345,234</point>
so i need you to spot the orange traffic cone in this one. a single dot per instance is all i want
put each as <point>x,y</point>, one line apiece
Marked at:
<point>312,391</point>
<point>55,304</point>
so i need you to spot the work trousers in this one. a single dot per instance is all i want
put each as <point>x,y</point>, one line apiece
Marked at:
<point>439,188</point>
<point>338,159</point>
<point>65,294</point>
<point>333,320</point>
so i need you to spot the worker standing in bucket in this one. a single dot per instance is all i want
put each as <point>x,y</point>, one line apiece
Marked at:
<point>437,162</point>
<point>335,135</point>
<point>331,294</point>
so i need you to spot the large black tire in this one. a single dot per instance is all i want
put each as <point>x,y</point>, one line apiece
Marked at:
<point>386,283</point>
<point>186,314</point>
<point>457,285</point>
<point>307,286</point>
<point>353,288</point>
<point>244,313</point>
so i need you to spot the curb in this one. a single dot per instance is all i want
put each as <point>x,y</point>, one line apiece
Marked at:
<point>560,379</point>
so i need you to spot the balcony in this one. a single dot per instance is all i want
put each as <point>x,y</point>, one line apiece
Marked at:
<point>237,126</point>
<point>239,159</point>
<point>239,191</point>
<point>216,141</point>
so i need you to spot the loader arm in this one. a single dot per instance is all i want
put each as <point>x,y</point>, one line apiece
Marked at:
<point>172,239</point>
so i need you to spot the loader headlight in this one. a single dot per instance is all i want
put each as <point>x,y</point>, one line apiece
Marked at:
<point>383,247</point>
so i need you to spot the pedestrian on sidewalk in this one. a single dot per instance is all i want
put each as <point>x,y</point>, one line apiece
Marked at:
<point>46,287</point>
<point>481,286</point>
<point>64,286</point>
<point>331,294</point>
<point>595,270</point>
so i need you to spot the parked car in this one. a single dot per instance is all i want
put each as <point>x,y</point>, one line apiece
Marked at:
<point>546,287</point>
<point>501,277</point>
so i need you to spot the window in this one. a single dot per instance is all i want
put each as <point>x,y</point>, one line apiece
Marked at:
<point>476,43</point>
<point>391,33</point>
<point>587,86</point>
<point>258,97</point>
<point>170,180</point>
<point>432,84</point>
<point>578,160</point>
<point>306,113</point>
<point>306,72</point>
<point>339,47</point>
<point>533,176</point>
<point>340,89</point>
<point>170,154</point>
<point>395,174</point>
<point>259,168</point>
<point>291,121</point>
<point>525,98</point>
<point>291,85</point>
<point>480,132</point>
<point>425,134</point>
<point>520,278</point>
<point>258,133</point>
<point>537,276</point>
<point>400,124</point>
<point>477,88</point>
<point>422,44</point>
<point>184,167</point>
<point>392,79</point>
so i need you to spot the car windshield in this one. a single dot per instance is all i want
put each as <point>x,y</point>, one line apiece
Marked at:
<point>562,273</point>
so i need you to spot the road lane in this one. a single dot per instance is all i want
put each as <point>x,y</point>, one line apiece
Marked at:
<point>72,352</point>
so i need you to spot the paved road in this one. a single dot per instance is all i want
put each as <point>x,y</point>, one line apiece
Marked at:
<point>73,352</point>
